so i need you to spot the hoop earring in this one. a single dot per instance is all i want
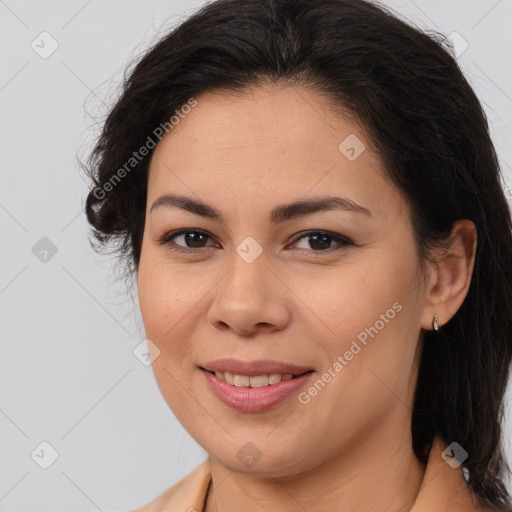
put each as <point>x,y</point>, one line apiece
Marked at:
<point>434,323</point>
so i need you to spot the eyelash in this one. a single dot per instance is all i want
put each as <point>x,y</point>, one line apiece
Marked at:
<point>166,240</point>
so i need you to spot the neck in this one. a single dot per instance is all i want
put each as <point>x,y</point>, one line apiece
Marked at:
<point>378,473</point>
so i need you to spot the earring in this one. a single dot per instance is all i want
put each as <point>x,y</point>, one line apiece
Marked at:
<point>434,323</point>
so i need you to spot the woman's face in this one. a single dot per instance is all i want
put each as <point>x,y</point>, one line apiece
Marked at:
<point>260,283</point>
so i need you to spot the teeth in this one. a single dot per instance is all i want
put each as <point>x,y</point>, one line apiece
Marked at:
<point>241,381</point>
<point>274,378</point>
<point>259,381</point>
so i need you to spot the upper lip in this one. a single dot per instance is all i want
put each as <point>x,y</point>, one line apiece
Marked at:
<point>254,368</point>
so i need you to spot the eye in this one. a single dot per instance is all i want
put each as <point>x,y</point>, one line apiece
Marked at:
<point>194,240</point>
<point>193,237</point>
<point>320,241</point>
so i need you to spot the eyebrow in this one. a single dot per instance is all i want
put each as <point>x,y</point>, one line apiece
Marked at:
<point>278,214</point>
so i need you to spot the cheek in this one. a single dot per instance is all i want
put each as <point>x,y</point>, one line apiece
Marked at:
<point>372,315</point>
<point>171,309</point>
<point>162,303</point>
<point>165,294</point>
<point>348,302</point>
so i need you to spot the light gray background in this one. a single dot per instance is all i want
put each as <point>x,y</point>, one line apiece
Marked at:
<point>68,375</point>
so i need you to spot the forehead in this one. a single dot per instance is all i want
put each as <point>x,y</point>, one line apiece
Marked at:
<point>267,115</point>
<point>263,145</point>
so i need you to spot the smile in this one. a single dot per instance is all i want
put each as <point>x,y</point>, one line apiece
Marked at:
<point>257,393</point>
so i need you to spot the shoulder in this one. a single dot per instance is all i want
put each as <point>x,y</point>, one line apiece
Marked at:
<point>187,495</point>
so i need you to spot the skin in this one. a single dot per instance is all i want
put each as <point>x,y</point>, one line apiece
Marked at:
<point>298,301</point>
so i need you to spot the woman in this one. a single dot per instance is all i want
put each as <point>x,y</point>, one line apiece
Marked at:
<point>308,195</point>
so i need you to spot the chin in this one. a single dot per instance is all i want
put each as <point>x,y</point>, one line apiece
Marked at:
<point>262,460</point>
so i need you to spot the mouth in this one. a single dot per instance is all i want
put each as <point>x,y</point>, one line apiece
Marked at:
<point>254,387</point>
<point>254,381</point>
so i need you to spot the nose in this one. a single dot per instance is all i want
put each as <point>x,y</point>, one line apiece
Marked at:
<point>251,298</point>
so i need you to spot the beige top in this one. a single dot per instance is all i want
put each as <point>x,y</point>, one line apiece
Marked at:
<point>443,489</point>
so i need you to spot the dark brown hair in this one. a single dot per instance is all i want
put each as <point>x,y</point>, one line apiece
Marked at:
<point>420,113</point>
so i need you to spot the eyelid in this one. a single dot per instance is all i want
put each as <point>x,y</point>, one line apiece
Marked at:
<point>342,241</point>
<point>166,239</point>
<point>335,236</point>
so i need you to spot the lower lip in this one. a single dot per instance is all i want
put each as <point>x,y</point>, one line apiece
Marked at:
<point>247,399</point>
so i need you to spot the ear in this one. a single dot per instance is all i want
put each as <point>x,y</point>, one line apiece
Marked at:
<point>449,280</point>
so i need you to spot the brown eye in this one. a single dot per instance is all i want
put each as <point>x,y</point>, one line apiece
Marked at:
<point>189,239</point>
<point>320,241</point>
<point>193,239</point>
